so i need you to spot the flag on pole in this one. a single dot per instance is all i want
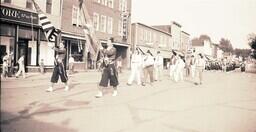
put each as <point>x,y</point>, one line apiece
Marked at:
<point>49,30</point>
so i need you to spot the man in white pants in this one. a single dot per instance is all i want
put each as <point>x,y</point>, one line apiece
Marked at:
<point>21,67</point>
<point>193,66</point>
<point>172,64</point>
<point>136,63</point>
<point>158,66</point>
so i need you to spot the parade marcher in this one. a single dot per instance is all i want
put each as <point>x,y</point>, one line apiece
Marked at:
<point>243,67</point>
<point>172,64</point>
<point>109,73</point>
<point>159,61</point>
<point>21,66</point>
<point>180,65</point>
<point>187,66</point>
<point>5,66</point>
<point>148,68</point>
<point>59,69</point>
<point>136,63</point>
<point>193,66</point>
<point>71,61</point>
<point>10,65</point>
<point>200,67</point>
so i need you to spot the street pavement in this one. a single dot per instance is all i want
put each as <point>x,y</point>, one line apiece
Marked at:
<point>225,102</point>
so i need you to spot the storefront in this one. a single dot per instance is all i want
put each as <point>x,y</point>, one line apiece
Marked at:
<point>20,34</point>
<point>76,47</point>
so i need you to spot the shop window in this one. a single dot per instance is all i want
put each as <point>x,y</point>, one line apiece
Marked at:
<point>77,50</point>
<point>96,21</point>
<point>2,52</point>
<point>7,1</point>
<point>49,6</point>
<point>7,30</point>
<point>29,4</point>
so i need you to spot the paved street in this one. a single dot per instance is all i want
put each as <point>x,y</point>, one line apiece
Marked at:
<point>226,102</point>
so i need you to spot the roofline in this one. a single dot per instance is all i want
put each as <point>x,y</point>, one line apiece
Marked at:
<point>152,28</point>
<point>185,33</point>
<point>176,23</point>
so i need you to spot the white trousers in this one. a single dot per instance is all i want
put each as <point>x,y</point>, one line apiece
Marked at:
<point>158,72</point>
<point>193,71</point>
<point>172,67</point>
<point>135,74</point>
<point>21,70</point>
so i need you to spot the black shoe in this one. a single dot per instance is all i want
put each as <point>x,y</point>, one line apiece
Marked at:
<point>143,84</point>
<point>129,84</point>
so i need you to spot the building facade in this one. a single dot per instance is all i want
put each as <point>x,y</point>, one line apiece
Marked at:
<point>21,32</point>
<point>185,44</point>
<point>175,30</point>
<point>150,38</point>
<point>109,19</point>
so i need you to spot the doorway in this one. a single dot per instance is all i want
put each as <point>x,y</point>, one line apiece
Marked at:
<point>23,50</point>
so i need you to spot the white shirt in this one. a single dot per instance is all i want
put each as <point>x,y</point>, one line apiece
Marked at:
<point>200,62</point>
<point>136,58</point>
<point>21,60</point>
<point>148,60</point>
<point>71,60</point>
<point>159,60</point>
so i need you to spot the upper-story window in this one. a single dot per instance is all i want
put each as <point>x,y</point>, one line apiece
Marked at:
<point>7,1</point>
<point>75,16</point>
<point>49,6</point>
<point>96,21</point>
<point>120,28</point>
<point>103,23</point>
<point>111,3</point>
<point>122,5</point>
<point>110,25</point>
<point>104,2</point>
<point>29,4</point>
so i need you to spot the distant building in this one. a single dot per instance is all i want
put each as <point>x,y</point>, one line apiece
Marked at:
<point>185,44</point>
<point>149,38</point>
<point>175,30</point>
<point>203,45</point>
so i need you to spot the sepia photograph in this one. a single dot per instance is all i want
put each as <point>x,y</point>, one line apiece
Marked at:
<point>128,65</point>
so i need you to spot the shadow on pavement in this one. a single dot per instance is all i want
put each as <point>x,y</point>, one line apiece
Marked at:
<point>27,124</point>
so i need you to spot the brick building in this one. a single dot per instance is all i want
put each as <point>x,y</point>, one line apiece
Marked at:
<point>150,38</point>
<point>108,20</point>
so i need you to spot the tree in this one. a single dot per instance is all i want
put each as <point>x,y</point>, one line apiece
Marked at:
<point>252,44</point>
<point>242,52</point>
<point>226,45</point>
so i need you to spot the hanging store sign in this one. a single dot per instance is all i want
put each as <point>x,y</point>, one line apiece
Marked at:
<point>17,15</point>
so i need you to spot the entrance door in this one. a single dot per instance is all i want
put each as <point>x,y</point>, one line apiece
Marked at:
<point>23,50</point>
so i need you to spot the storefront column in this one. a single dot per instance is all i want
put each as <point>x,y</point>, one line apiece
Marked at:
<point>38,48</point>
<point>15,54</point>
<point>85,59</point>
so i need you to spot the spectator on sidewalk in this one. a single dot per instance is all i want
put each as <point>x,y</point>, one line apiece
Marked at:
<point>5,65</point>
<point>21,66</point>
<point>243,67</point>
<point>71,61</point>
<point>119,65</point>
<point>41,65</point>
<point>136,63</point>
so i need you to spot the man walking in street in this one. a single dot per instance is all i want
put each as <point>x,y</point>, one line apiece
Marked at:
<point>158,66</point>
<point>148,69</point>
<point>21,66</point>
<point>200,67</point>
<point>59,69</point>
<point>136,62</point>
<point>109,73</point>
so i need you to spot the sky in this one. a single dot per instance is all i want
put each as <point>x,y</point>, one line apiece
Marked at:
<point>229,19</point>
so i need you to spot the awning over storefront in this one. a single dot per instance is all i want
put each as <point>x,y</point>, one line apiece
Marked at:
<point>165,54</point>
